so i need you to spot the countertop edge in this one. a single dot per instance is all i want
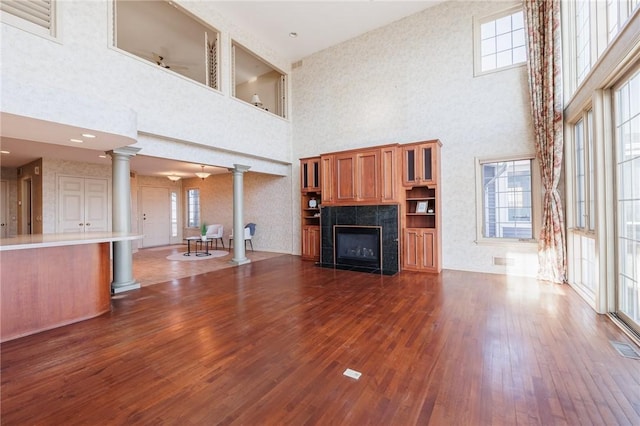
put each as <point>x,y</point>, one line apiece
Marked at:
<point>22,242</point>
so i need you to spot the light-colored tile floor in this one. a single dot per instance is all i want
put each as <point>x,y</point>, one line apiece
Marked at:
<point>150,265</point>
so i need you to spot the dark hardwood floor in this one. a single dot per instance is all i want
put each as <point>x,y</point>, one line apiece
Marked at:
<point>268,342</point>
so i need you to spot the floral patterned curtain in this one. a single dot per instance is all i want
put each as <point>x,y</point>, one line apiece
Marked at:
<point>542,18</point>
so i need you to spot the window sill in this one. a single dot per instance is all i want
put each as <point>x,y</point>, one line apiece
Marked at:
<point>511,242</point>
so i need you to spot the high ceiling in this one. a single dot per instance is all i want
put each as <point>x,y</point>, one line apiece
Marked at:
<point>318,24</point>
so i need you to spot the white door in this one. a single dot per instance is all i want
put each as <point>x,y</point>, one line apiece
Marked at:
<point>83,204</point>
<point>96,205</point>
<point>4,215</point>
<point>156,216</point>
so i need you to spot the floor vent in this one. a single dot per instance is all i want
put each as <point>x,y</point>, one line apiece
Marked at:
<point>625,349</point>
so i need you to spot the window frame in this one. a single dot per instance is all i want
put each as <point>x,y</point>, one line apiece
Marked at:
<point>536,202</point>
<point>211,35</point>
<point>174,201</point>
<point>619,120</point>
<point>478,21</point>
<point>280,103</point>
<point>588,223</point>
<point>52,33</point>
<point>188,223</point>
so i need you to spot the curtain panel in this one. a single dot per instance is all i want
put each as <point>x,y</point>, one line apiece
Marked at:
<point>542,20</point>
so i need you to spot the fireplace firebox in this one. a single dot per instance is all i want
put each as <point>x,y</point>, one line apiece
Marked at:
<point>358,246</point>
<point>383,220</point>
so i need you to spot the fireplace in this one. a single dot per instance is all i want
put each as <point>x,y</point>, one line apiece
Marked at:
<point>364,223</point>
<point>357,246</point>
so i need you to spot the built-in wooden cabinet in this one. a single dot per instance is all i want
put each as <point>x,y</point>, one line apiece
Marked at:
<point>367,176</point>
<point>421,245</point>
<point>407,175</point>
<point>419,163</point>
<point>310,174</point>
<point>357,176</point>
<point>310,201</point>
<point>419,251</point>
<point>311,242</point>
<point>326,179</point>
<point>388,174</point>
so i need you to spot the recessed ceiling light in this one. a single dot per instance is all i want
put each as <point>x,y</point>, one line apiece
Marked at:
<point>76,140</point>
<point>293,35</point>
<point>88,135</point>
<point>102,156</point>
<point>4,152</point>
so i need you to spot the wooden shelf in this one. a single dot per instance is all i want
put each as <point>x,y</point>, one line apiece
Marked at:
<point>421,235</point>
<point>310,176</point>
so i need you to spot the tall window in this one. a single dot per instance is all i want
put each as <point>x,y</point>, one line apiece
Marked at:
<point>579,175</point>
<point>582,40</point>
<point>35,16</point>
<point>627,127</point>
<point>590,26</point>
<point>591,173</point>
<point>584,173</point>
<point>618,11</point>
<point>507,211</point>
<point>193,208</point>
<point>500,41</point>
<point>174,214</point>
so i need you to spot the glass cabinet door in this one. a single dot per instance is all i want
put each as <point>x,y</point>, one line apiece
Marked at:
<point>427,169</point>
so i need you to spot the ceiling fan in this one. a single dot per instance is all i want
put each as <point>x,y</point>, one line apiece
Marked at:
<point>160,61</point>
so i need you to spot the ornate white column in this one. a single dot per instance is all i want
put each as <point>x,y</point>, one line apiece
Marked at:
<point>122,255</point>
<point>239,254</point>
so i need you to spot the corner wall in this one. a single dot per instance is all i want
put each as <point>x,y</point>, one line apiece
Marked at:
<point>411,81</point>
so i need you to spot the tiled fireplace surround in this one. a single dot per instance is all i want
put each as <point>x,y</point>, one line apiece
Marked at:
<point>385,216</point>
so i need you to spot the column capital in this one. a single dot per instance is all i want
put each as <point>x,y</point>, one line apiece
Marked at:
<point>124,150</point>
<point>239,168</point>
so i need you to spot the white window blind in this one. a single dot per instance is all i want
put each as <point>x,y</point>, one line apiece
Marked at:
<point>212,59</point>
<point>38,12</point>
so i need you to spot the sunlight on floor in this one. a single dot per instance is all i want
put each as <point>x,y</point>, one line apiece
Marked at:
<point>150,265</point>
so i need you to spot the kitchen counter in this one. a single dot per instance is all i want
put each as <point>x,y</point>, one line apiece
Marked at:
<point>51,280</point>
<point>31,241</point>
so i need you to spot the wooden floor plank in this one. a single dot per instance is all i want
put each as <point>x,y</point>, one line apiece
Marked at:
<point>268,342</point>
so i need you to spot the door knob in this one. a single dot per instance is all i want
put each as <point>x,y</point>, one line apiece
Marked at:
<point>80,224</point>
<point>88,224</point>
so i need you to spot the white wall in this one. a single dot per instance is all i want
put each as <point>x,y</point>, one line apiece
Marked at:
<point>410,81</point>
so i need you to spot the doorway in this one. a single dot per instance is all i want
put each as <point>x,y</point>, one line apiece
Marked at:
<point>83,204</point>
<point>4,209</point>
<point>26,213</point>
<point>155,205</point>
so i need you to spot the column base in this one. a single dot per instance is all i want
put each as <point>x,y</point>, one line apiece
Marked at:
<point>240,261</point>
<point>122,287</point>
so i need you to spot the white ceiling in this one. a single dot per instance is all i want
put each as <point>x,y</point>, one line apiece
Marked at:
<point>319,25</point>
